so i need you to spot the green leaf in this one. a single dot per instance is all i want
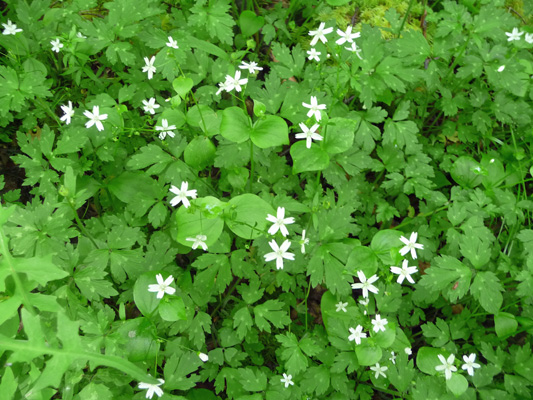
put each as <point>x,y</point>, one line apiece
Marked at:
<point>317,379</point>
<point>385,245</point>
<point>146,301</point>
<point>340,135</point>
<point>505,324</point>
<point>250,23</point>
<point>457,384</point>
<point>214,19</point>
<point>150,155</point>
<point>270,312</point>
<point>125,188</point>
<point>304,159</point>
<point>367,353</point>
<point>92,283</point>
<point>179,371</point>
<point>253,379</point>
<point>449,275</point>
<point>440,332</point>
<point>242,321</point>
<point>8,385</point>
<point>172,308</point>
<point>203,117</point>
<point>246,216</point>
<point>295,360</point>
<point>235,125</point>
<point>487,289</point>
<point>466,172</point>
<point>182,85</point>
<point>427,358</point>
<point>288,65</point>
<point>270,132</point>
<point>476,250</point>
<point>200,152</point>
<point>204,218</point>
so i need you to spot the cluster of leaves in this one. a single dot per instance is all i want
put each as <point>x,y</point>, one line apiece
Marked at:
<point>427,136</point>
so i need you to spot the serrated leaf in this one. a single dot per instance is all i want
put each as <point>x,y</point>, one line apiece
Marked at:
<point>486,289</point>
<point>270,312</point>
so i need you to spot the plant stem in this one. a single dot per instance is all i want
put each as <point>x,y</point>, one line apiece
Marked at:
<point>405,17</point>
<point>251,167</point>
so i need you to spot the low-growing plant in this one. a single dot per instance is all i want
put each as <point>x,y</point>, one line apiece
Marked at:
<point>253,200</point>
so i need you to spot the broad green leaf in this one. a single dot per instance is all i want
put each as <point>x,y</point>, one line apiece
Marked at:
<point>466,172</point>
<point>253,379</point>
<point>146,301</point>
<point>204,218</point>
<point>386,244</point>
<point>505,324</point>
<point>172,308</point>
<point>304,159</point>
<point>317,379</point>
<point>427,358</point>
<point>250,23</point>
<point>271,312</point>
<point>235,125</point>
<point>126,188</point>
<point>242,322</point>
<point>203,117</point>
<point>362,258</point>
<point>476,250</point>
<point>367,354</point>
<point>200,152</point>
<point>182,85</point>
<point>8,385</point>
<point>339,136</point>
<point>270,132</point>
<point>457,384</point>
<point>246,216</point>
<point>179,371</point>
<point>40,269</point>
<point>449,275</point>
<point>487,289</point>
<point>386,339</point>
<point>295,360</point>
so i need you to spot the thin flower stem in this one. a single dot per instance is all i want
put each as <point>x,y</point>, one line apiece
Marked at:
<point>405,18</point>
<point>227,297</point>
<point>252,164</point>
<point>81,226</point>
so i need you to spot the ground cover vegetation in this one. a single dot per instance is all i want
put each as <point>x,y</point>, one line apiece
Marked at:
<point>266,200</point>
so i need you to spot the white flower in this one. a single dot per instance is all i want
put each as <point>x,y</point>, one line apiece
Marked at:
<point>95,118</point>
<point>366,285</point>
<point>470,364</point>
<point>410,245</point>
<point>182,194</point>
<point>172,43</point>
<point>81,36</point>
<point>354,49</point>
<point>514,35</point>
<point>404,272</point>
<point>199,240</point>
<point>287,380</point>
<point>392,358</point>
<point>447,365</point>
<point>68,112</point>
<point>56,45</point>
<point>279,222</point>
<point>379,324</point>
<point>303,242</point>
<point>162,286</point>
<point>165,129</point>
<point>204,357</point>
<point>320,33</point>
<point>314,108</point>
<point>149,67</point>
<point>313,54</point>
<point>502,67</point>
<point>252,67</point>
<point>279,253</point>
<point>10,28</point>
<point>357,334</point>
<point>223,86</point>
<point>379,371</point>
<point>308,134</point>
<point>408,351</point>
<point>235,82</point>
<point>341,306</point>
<point>150,105</point>
<point>347,36</point>
<point>529,38</point>
<point>152,388</point>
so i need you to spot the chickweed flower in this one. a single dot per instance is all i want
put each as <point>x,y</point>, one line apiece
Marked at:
<point>514,35</point>
<point>347,36</point>
<point>235,82</point>
<point>408,351</point>
<point>404,272</point>
<point>199,240</point>
<point>529,38</point>
<point>204,357</point>
<point>341,306</point>
<point>410,245</point>
<point>354,49</point>
<point>392,357</point>
<point>357,334</point>
<point>279,253</point>
<point>303,242</point>
<point>182,194</point>
<point>313,54</point>
<point>379,371</point>
<point>172,43</point>
<point>165,129</point>
<point>314,108</point>
<point>152,388</point>
<point>149,67</point>
<point>470,364</point>
<point>150,105</point>
<point>10,28</point>
<point>68,112</point>
<point>251,67</point>
<point>379,324</point>
<point>309,134</point>
<point>287,380</point>
<point>162,286</point>
<point>279,222</point>
<point>320,33</point>
<point>95,118</point>
<point>366,284</point>
<point>447,365</point>
<point>56,45</point>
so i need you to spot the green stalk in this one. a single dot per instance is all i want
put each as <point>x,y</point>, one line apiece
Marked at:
<point>405,17</point>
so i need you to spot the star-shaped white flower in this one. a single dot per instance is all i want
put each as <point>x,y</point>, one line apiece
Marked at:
<point>392,357</point>
<point>470,364</point>
<point>172,43</point>
<point>68,112</point>
<point>303,242</point>
<point>314,108</point>
<point>447,365</point>
<point>366,284</point>
<point>313,54</point>
<point>149,67</point>
<point>287,380</point>
<point>10,28</point>
<point>410,245</point>
<point>204,357</point>
<point>404,272</point>
<point>223,86</point>
<point>347,36</point>
<point>379,371</point>
<point>199,240</point>
<point>408,351</point>
<point>357,334</point>
<point>182,194</point>
<point>152,388</point>
<point>162,286</point>
<point>354,49</point>
<point>279,222</point>
<point>235,82</point>
<point>150,105</point>
<point>279,253</point>
<point>251,67</point>
<point>379,323</point>
<point>514,35</point>
<point>56,45</point>
<point>309,134</point>
<point>341,306</point>
<point>165,129</point>
<point>95,118</point>
<point>529,38</point>
<point>319,34</point>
